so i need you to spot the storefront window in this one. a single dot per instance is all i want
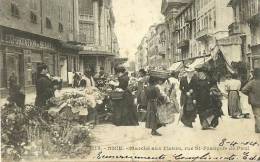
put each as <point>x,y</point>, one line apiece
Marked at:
<point>35,60</point>
<point>12,59</point>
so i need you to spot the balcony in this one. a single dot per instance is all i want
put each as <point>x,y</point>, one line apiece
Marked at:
<point>83,17</point>
<point>183,44</point>
<point>203,34</point>
<point>234,28</point>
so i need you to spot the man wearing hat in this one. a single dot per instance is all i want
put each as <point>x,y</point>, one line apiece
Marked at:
<point>188,87</point>
<point>252,90</point>
<point>44,88</point>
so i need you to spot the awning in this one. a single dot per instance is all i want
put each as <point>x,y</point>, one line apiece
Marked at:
<point>175,66</point>
<point>96,53</point>
<point>199,61</point>
<point>70,46</point>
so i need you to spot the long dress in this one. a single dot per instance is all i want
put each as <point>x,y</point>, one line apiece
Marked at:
<point>188,94</point>
<point>172,93</point>
<point>215,105</point>
<point>165,108</point>
<point>234,106</point>
<point>124,110</point>
<point>152,118</point>
<point>203,102</point>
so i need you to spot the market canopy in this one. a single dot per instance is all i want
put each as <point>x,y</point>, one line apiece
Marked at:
<point>175,66</point>
<point>218,50</point>
<point>199,61</point>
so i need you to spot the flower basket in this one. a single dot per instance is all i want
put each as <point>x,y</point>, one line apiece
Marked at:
<point>116,95</point>
<point>160,74</point>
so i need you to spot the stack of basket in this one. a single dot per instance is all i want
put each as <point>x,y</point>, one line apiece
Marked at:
<point>163,74</point>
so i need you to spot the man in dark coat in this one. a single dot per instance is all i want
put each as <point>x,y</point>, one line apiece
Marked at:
<point>188,87</point>
<point>44,88</point>
<point>252,90</point>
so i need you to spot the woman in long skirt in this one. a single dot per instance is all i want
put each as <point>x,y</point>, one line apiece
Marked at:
<point>124,110</point>
<point>166,108</point>
<point>232,87</point>
<point>153,97</point>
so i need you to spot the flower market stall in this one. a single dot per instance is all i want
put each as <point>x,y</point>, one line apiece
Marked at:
<point>60,130</point>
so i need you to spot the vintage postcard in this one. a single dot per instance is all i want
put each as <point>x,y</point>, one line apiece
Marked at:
<point>130,80</point>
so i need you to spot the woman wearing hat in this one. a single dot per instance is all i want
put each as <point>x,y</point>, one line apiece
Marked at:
<point>188,87</point>
<point>252,89</point>
<point>154,97</point>
<point>125,112</point>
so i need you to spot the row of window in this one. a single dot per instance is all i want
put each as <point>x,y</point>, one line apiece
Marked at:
<point>86,31</point>
<point>33,18</point>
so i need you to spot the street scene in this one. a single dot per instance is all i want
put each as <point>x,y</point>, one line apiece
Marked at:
<point>130,80</point>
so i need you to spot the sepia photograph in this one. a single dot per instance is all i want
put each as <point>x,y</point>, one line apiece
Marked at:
<point>130,80</point>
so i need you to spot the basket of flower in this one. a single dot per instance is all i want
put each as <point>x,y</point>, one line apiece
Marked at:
<point>116,94</point>
<point>160,74</point>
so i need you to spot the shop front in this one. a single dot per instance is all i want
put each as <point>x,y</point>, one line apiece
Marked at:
<point>20,54</point>
<point>95,60</point>
<point>68,61</point>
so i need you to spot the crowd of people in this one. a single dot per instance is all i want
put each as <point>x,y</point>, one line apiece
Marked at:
<point>200,96</point>
<point>161,95</point>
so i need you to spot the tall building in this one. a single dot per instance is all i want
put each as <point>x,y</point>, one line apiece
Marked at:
<point>96,31</point>
<point>35,31</point>
<point>210,25</point>
<point>170,9</point>
<point>152,48</point>
<point>142,55</point>
<point>185,30</point>
<point>254,23</point>
<point>245,27</point>
<point>161,45</point>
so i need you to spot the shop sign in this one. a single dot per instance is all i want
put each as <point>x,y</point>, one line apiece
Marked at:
<point>232,40</point>
<point>19,41</point>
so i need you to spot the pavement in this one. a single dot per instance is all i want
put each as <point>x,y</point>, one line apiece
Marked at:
<point>176,139</point>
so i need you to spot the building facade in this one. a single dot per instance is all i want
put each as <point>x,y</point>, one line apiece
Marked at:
<point>186,29</point>
<point>254,23</point>
<point>96,31</point>
<point>161,45</point>
<point>141,56</point>
<point>32,32</point>
<point>210,26</point>
<point>152,46</point>
<point>170,9</point>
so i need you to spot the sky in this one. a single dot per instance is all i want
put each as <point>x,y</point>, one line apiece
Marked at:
<point>133,19</point>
